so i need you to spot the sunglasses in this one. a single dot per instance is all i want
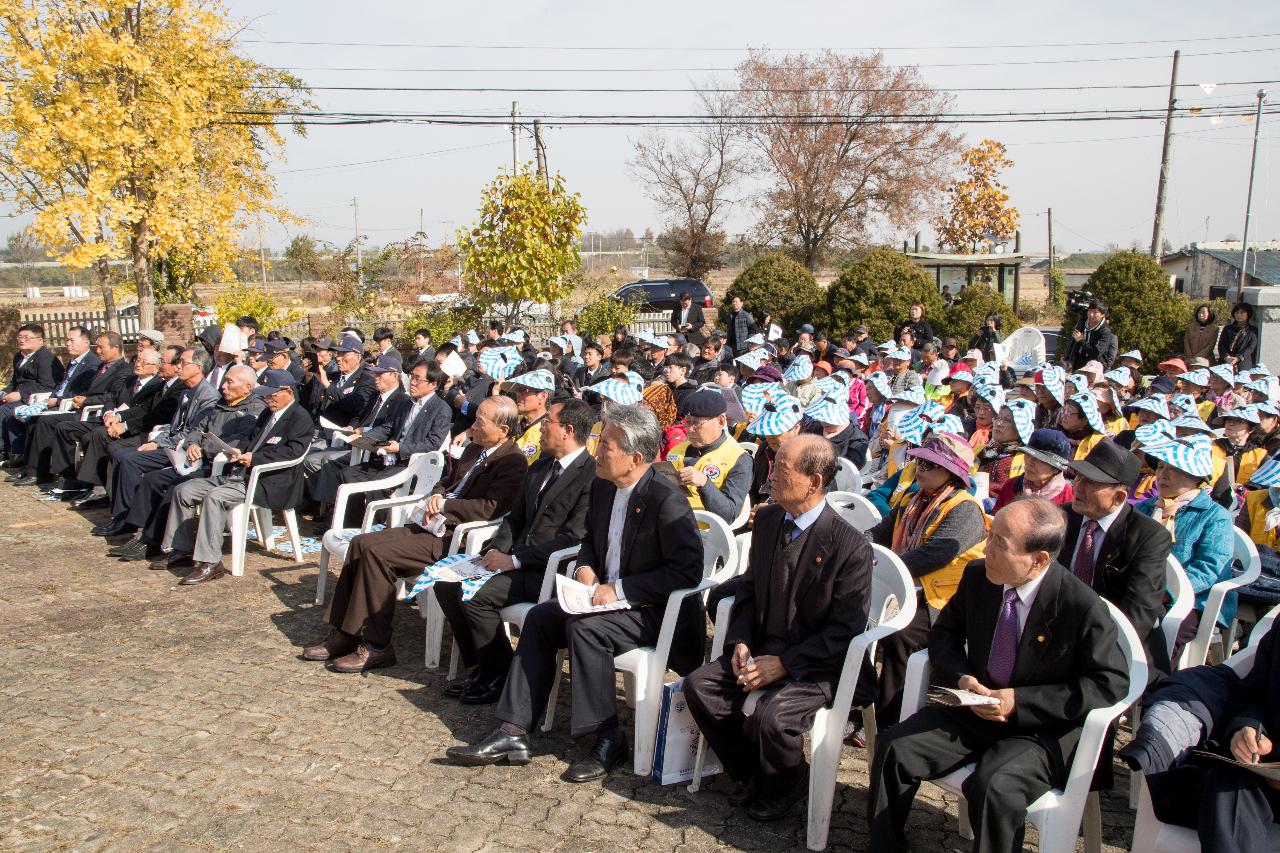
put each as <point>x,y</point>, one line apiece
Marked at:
<point>925,464</point>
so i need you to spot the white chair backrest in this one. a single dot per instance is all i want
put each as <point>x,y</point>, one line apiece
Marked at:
<point>743,516</point>
<point>749,446</point>
<point>743,541</point>
<point>855,509</point>
<point>719,550</point>
<point>424,470</point>
<point>892,588</point>
<point>848,478</point>
<point>1243,549</point>
<point>1264,625</point>
<point>1184,598</point>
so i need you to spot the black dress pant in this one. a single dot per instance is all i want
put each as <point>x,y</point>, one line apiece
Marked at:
<point>477,624</point>
<point>62,452</point>
<point>128,467</point>
<point>1013,771</point>
<point>42,435</point>
<point>98,452</point>
<point>592,640</point>
<point>1238,811</point>
<point>149,511</point>
<point>896,648</point>
<point>765,749</point>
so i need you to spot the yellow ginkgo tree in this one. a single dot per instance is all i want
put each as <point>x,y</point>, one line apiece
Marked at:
<point>978,212</point>
<point>133,130</point>
<point>523,244</point>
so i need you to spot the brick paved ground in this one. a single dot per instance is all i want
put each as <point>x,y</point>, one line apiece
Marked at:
<point>136,715</point>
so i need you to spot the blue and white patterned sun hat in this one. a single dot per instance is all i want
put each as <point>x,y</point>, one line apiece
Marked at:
<point>828,409</point>
<point>959,376</point>
<point>781,413</point>
<point>1089,406</point>
<point>1154,432</point>
<point>754,359</point>
<point>899,354</point>
<point>988,373</point>
<point>879,381</point>
<point>913,426</point>
<point>914,396</point>
<point>1200,377</point>
<point>1024,417</point>
<point>756,339</point>
<point>834,384</point>
<point>1268,474</point>
<point>948,423</point>
<point>618,390</point>
<point>754,396</point>
<point>1192,422</point>
<point>1191,453</point>
<point>801,369</point>
<point>1134,354</point>
<point>1225,372</point>
<point>1184,403</point>
<point>1053,378</point>
<point>1248,414</point>
<point>993,394</point>
<point>1156,405</point>
<point>1261,385</point>
<point>1120,376</point>
<point>500,362</point>
<point>538,380</point>
<point>1267,408</point>
<point>472,337</point>
<point>1077,383</point>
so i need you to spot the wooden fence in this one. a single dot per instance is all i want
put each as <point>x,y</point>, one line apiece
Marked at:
<point>58,323</point>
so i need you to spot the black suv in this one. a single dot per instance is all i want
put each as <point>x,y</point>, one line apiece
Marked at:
<point>663,294</point>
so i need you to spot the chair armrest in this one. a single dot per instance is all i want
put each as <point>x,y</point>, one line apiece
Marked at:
<point>88,411</point>
<point>462,533</point>
<point>372,508</point>
<point>564,556</point>
<point>670,613</point>
<point>346,490</point>
<point>219,464</point>
<point>916,686</point>
<point>720,626</point>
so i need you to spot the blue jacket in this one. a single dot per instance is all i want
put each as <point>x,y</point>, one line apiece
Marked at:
<point>1202,543</point>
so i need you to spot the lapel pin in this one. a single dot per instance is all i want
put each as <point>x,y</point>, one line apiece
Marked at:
<point>817,559</point>
<point>1040,638</point>
<point>637,509</point>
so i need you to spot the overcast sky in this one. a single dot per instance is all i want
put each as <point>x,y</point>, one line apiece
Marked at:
<point>1099,177</point>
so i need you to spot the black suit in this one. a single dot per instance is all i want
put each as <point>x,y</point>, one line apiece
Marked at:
<point>1068,663</point>
<point>37,374</point>
<point>695,321</point>
<point>537,525</point>
<point>827,597</point>
<point>107,386</point>
<point>343,402</point>
<point>1129,573</point>
<point>660,552</point>
<point>153,406</point>
<point>322,469</point>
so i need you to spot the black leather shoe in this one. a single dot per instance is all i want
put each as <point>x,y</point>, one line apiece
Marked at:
<point>739,795</point>
<point>485,691</point>
<point>454,689</point>
<point>771,810</point>
<point>95,497</point>
<point>15,475</point>
<point>178,561</point>
<point>607,753</point>
<point>114,527</point>
<point>25,480</point>
<point>129,552</point>
<point>494,749</point>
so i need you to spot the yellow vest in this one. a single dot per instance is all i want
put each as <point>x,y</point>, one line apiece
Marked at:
<point>594,439</point>
<point>1116,425</point>
<point>1205,409</point>
<point>1255,504</point>
<point>530,441</point>
<point>1087,444</point>
<point>1250,461</point>
<point>940,584</point>
<point>1219,463</point>
<point>716,464</point>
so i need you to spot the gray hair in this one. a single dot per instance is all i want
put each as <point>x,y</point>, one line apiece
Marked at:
<point>201,359</point>
<point>1047,525</point>
<point>640,430</point>
<point>815,454</point>
<point>150,356</point>
<point>505,413</point>
<point>241,373</point>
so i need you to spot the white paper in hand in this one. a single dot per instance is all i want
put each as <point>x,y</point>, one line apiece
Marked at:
<point>575,597</point>
<point>959,698</point>
<point>325,423</point>
<point>454,365</point>
<point>181,464</point>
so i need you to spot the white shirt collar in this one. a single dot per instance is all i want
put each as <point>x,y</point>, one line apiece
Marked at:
<point>1027,592</point>
<point>805,519</point>
<point>1107,520</point>
<point>387,394</point>
<point>567,460</point>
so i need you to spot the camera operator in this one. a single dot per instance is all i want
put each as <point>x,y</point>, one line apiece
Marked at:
<point>1092,339</point>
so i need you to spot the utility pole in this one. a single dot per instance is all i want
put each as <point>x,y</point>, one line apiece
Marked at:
<point>262,254</point>
<point>1164,160</point>
<point>1248,203</point>
<point>355,207</point>
<point>422,229</point>
<point>1053,262</point>
<point>541,152</point>
<point>515,109</point>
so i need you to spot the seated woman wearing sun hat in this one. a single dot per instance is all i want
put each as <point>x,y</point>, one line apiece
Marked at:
<point>779,419</point>
<point>988,400</point>
<point>913,429</point>
<point>1110,408</point>
<point>935,533</point>
<point>958,401</point>
<point>1145,485</point>
<point>1143,412</point>
<point>1082,423</point>
<point>1001,458</point>
<point>828,416</point>
<point>1044,459</point>
<point>1260,502</point>
<point>1201,529</point>
<point>1241,453</point>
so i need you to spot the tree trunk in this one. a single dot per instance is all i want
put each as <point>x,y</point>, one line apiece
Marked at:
<point>142,278</point>
<point>102,274</point>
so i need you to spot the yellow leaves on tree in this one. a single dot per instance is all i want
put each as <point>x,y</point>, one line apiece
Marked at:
<point>978,212</point>
<point>524,243</point>
<point>134,129</point>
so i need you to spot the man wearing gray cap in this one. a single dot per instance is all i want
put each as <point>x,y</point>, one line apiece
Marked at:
<point>714,470</point>
<point>283,432</point>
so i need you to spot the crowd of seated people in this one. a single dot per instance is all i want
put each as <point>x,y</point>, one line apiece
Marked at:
<point>1016,505</point>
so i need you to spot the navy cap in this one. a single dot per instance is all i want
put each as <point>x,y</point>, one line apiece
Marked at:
<point>704,404</point>
<point>806,328</point>
<point>257,347</point>
<point>1050,446</point>
<point>272,381</point>
<point>279,346</point>
<point>349,343</point>
<point>1163,385</point>
<point>384,364</point>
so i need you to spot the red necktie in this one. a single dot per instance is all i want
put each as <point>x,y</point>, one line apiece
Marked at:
<point>1082,566</point>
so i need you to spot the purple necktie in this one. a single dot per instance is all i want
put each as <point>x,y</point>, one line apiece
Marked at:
<point>1004,644</point>
<point>1082,565</point>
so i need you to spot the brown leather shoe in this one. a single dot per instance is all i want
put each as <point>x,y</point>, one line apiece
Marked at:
<point>204,572</point>
<point>365,658</point>
<point>336,645</point>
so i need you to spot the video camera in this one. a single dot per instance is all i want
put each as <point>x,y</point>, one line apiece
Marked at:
<point>1078,302</point>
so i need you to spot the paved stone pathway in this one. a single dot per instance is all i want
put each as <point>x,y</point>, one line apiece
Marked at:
<point>135,715</point>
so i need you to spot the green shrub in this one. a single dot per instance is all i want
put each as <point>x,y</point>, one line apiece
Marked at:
<point>779,285</point>
<point>970,308</point>
<point>878,292</point>
<point>242,299</point>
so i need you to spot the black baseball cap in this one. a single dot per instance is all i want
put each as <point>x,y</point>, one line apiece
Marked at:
<point>1108,463</point>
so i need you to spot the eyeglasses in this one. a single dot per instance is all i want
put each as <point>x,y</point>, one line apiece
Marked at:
<point>419,380</point>
<point>925,465</point>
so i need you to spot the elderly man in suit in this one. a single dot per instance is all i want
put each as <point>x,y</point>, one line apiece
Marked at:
<point>282,432</point>
<point>1118,551</point>
<point>1022,629</point>
<point>804,596</point>
<point>105,389</point>
<point>482,486</point>
<point>345,399</point>
<point>549,513</point>
<point>641,545</point>
<point>36,370</point>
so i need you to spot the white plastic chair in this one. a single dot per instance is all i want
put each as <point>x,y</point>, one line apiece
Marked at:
<point>1150,834</point>
<point>468,538</point>
<point>238,520</point>
<point>1058,813</point>
<point>855,509</point>
<point>749,446</point>
<point>645,669</point>
<point>417,479</point>
<point>743,516</point>
<point>1196,651</point>
<point>848,478</point>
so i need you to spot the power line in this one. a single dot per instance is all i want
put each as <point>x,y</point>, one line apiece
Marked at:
<point>706,49</point>
<point>388,159</point>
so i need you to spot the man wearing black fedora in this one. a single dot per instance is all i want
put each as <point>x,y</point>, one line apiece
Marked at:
<point>1117,551</point>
